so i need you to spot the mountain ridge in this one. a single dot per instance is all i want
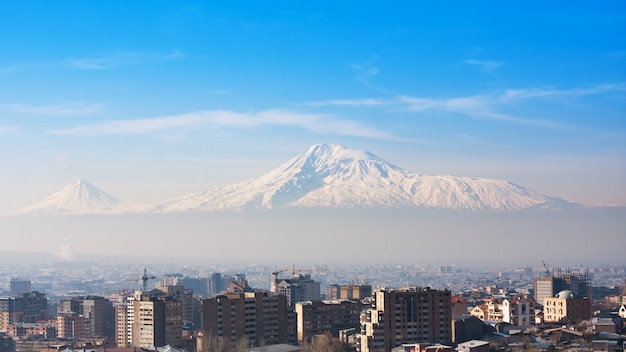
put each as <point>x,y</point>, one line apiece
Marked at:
<point>324,176</point>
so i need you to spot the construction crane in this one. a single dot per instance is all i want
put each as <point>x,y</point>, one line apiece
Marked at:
<point>546,267</point>
<point>144,279</point>
<point>292,269</point>
<point>274,285</point>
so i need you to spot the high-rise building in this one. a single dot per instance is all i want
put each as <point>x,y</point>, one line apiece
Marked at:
<point>180,293</point>
<point>100,313</point>
<point>408,315</point>
<point>298,289</point>
<point>72,326</point>
<point>318,317</point>
<point>256,316</point>
<point>97,310</point>
<point>28,307</point>
<point>157,320</point>
<point>547,286</point>
<point>578,282</point>
<point>216,284</point>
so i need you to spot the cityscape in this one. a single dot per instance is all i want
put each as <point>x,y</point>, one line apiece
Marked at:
<point>312,176</point>
<point>117,304</point>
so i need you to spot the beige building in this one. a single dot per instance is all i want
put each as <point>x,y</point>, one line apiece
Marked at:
<point>566,308</point>
<point>72,326</point>
<point>408,315</point>
<point>157,320</point>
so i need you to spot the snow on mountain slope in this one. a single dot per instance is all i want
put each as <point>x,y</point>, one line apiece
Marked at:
<point>78,198</point>
<point>330,176</point>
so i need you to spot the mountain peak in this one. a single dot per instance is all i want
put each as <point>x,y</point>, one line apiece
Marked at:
<point>331,176</point>
<point>77,198</point>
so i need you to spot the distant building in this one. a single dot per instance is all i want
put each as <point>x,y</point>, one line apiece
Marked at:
<point>518,311</point>
<point>318,317</point>
<point>255,316</point>
<point>298,289</point>
<point>408,315</point>
<point>19,286</point>
<point>566,308</point>
<point>352,292</point>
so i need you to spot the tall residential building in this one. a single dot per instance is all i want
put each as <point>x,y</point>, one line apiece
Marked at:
<point>318,317</point>
<point>72,326</point>
<point>298,289</point>
<point>216,284</point>
<point>101,316</point>
<point>97,310</point>
<point>28,307</point>
<point>123,333</point>
<point>178,292</point>
<point>408,315</point>
<point>157,320</point>
<point>256,316</point>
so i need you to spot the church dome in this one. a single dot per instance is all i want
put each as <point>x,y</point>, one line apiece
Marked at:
<point>565,294</point>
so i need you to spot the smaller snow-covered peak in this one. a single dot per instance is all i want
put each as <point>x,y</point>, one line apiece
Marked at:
<point>77,198</point>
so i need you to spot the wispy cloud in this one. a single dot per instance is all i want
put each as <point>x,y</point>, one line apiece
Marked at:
<point>350,102</point>
<point>478,106</point>
<point>98,62</point>
<point>111,61</point>
<point>485,65</point>
<point>512,94</point>
<point>318,123</point>
<point>66,109</point>
<point>7,129</point>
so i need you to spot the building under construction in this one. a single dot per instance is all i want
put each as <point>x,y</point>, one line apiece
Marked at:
<point>555,281</point>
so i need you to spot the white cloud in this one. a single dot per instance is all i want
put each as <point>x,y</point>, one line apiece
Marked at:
<point>319,123</point>
<point>485,65</point>
<point>511,94</point>
<point>111,61</point>
<point>66,109</point>
<point>350,102</point>
<point>7,129</point>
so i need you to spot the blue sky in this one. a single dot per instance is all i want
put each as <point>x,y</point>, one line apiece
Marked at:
<point>154,99</point>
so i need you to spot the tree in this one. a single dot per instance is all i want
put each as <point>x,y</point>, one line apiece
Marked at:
<point>322,343</point>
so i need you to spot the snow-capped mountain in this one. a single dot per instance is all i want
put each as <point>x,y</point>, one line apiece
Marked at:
<point>78,198</point>
<point>324,176</point>
<point>330,176</point>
